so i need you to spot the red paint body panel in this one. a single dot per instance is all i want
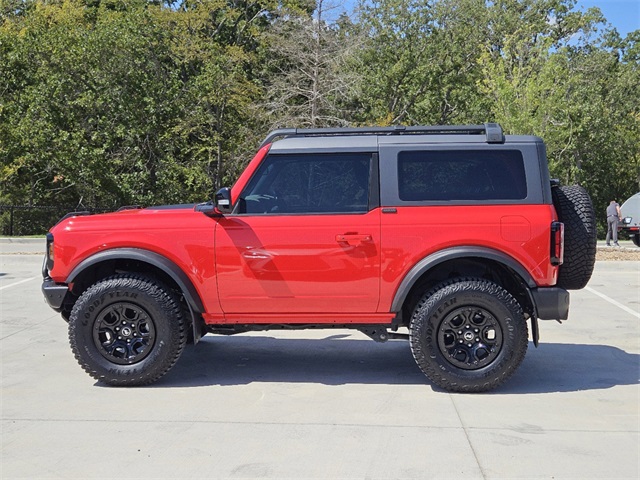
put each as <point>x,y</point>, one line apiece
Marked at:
<point>299,263</point>
<point>413,233</point>
<point>248,172</point>
<point>308,268</point>
<point>302,318</point>
<point>153,230</point>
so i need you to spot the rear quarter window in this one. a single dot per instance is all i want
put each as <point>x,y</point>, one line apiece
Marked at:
<point>460,175</point>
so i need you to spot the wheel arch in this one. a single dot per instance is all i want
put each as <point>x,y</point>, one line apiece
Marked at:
<point>105,263</point>
<point>461,262</point>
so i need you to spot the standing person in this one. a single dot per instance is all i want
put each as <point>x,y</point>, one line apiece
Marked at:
<point>613,217</point>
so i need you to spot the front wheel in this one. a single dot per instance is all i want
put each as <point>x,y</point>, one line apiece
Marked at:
<point>468,335</point>
<point>127,330</point>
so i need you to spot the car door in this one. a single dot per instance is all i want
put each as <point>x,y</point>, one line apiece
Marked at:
<point>304,238</point>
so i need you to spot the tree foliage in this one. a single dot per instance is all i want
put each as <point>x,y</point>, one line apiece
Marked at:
<point>113,102</point>
<point>308,79</point>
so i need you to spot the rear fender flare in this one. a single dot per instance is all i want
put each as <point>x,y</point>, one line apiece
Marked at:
<point>437,258</point>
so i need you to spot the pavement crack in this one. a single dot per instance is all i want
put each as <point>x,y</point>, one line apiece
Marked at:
<point>466,434</point>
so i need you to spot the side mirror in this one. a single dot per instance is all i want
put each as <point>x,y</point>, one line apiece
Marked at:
<point>222,200</point>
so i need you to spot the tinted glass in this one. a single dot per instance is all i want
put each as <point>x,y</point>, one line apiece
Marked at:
<point>309,184</point>
<point>461,175</point>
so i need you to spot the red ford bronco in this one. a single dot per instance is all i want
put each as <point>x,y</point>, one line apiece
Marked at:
<point>455,233</point>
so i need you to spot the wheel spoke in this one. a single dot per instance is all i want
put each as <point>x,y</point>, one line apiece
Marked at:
<point>470,337</point>
<point>124,333</point>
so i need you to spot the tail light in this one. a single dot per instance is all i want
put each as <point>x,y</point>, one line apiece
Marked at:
<point>557,243</point>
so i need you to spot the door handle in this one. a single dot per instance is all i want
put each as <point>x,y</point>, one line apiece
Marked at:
<point>256,255</point>
<point>352,238</point>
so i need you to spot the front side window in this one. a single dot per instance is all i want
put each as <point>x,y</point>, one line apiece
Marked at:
<point>308,183</point>
<point>461,175</point>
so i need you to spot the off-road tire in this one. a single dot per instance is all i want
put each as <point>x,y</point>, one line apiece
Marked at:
<point>575,210</point>
<point>474,306</point>
<point>127,330</point>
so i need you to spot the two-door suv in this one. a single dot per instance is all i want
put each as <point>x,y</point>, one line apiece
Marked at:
<point>455,233</point>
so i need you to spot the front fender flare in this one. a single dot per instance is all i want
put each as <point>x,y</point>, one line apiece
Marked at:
<point>162,263</point>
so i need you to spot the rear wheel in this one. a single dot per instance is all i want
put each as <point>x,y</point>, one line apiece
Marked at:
<point>127,330</point>
<point>468,335</point>
<point>636,239</point>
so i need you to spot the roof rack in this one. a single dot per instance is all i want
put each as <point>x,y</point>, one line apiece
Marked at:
<point>493,131</point>
<point>129,207</point>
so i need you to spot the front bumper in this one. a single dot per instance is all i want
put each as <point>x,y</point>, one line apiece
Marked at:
<point>54,293</point>
<point>551,303</point>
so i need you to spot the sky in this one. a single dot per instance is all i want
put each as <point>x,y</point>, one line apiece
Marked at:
<point>624,15</point>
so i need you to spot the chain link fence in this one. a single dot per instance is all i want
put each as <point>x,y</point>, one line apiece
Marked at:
<point>20,220</point>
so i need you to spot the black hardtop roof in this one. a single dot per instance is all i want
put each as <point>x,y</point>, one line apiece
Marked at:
<point>492,131</point>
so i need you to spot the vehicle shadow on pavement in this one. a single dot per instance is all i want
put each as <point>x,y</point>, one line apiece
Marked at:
<point>567,367</point>
<point>552,367</point>
<point>333,360</point>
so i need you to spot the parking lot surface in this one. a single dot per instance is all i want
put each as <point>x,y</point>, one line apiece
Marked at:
<point>325,404</point>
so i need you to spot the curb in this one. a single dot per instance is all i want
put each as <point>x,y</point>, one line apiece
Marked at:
<point>23,241</point>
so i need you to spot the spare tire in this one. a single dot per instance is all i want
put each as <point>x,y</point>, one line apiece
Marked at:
<point>575,210</point>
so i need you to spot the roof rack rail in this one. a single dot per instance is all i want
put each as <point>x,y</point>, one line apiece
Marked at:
<point>129,207</point>
<point>493,131</point>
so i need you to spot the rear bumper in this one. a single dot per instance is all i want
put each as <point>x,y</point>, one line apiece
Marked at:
<point>54,293</point>
<point>551,303</point>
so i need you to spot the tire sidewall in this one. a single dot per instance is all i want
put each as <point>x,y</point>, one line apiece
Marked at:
<point>428,320</point>
<point>145,295</point>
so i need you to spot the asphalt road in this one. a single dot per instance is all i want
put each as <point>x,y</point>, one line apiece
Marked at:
<point>322,404</point>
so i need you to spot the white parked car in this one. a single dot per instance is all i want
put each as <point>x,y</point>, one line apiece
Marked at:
<point>631,218</point>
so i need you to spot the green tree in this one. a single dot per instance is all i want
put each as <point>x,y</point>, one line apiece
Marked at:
<point>570,82</point>
<point>87,105</point>
<point>112,102</point>
<point>419,66</point>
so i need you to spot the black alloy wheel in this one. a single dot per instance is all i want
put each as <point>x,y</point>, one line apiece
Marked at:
<point>124,333</point>
<point>468,335</point>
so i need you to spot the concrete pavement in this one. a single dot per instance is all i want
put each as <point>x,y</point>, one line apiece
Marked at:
<point>322,404</point>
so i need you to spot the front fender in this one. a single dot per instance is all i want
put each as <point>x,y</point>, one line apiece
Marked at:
<point>156,260</point>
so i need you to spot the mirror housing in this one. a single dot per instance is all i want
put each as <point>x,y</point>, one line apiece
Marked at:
<point>222,200</point>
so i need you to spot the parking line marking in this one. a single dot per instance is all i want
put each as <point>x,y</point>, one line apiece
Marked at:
<point>18,283</point>
<point>613,302</point>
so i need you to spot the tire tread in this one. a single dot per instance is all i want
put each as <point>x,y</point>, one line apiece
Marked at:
<point>575,210</point>
<point>156,291</point>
